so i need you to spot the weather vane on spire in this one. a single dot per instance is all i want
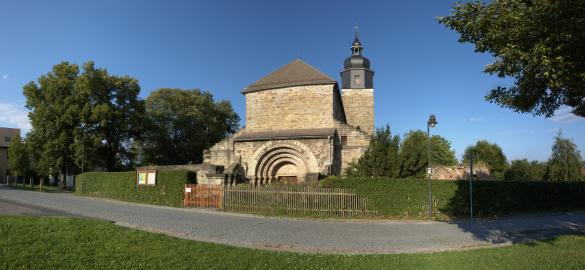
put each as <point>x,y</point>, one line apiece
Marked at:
<point>356,32</point>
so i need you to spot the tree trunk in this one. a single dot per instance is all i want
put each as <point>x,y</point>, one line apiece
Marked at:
<point>62,181</point>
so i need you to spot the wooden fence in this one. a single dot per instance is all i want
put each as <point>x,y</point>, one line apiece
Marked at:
<point>294,200</point>
<point>204,196</point>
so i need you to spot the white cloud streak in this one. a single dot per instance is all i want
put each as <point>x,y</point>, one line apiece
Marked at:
<point>564,115</point>
<point>476,119</point>
<point>14,115</point>
<point>5,76</point>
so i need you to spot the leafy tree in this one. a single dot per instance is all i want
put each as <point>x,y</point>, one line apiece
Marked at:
<point>523,170</point>
<point>18,160</point>
<point>381,157</point>
<point>565,161</point>
<point>55,113</point>
<point>182,123</point>
<point>111,118</point>
<point>90,117</point>
<point>488,153</point>
<point>538,43</point>
<point>38,164</point>
<point>414,153</point>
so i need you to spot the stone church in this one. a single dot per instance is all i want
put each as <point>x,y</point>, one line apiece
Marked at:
<point>300,125</point>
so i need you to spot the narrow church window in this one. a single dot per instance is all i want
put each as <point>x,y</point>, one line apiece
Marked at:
<point>343,140</point>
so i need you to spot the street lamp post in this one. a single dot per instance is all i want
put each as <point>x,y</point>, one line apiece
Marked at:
<point>471,185</point>
<point>430,124</point>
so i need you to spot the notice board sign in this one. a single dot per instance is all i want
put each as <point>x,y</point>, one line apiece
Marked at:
<point>146,177</point>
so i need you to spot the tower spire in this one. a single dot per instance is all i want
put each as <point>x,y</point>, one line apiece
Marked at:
<point>356,46</point>
<point>356,72</point>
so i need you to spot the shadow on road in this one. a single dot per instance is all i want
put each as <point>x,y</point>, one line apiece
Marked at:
<point>521,229</point>
<point>494,199</point>
<point>11,208</point>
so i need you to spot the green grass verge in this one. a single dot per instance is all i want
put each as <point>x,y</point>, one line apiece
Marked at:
<point>70,243</point>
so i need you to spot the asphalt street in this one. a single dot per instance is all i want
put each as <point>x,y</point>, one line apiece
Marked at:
<point>295,234</point>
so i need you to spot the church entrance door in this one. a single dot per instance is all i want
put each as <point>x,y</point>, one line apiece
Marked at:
<point>293,179</point>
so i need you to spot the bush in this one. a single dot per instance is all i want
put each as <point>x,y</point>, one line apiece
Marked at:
<point>122,186</point>
<point>408,198</point>
<point>523,170</point>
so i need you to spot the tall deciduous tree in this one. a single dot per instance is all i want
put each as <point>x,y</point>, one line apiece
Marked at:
<point>381,157</point>
<point>54,115</point>
<point>90,117</point>
<point>538,43</point>
<point>39,164</point>
<point>111,118</point>
<point>565,161</point>
<point>414,153</point>
<point>18,159</point>
<point>183,123</point>
<point>488,153</point>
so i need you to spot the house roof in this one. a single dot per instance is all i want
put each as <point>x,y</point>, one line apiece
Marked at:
<point>295,73</point>
<point>313,133</point>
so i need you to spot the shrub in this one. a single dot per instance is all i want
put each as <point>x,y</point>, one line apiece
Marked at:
<point>523,170</point>
<point>408,198</point>
<point>122,186</point>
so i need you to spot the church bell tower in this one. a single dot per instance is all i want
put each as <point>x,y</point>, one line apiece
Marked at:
<point>357,83</point>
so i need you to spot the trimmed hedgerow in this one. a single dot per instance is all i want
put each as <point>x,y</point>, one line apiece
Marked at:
<point>408,198</point>
<point>122,186</point>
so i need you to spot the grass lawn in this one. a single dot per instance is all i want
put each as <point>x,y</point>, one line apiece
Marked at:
<point>71,243</point>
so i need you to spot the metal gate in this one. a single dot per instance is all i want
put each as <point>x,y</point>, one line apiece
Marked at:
<point>203,196</point>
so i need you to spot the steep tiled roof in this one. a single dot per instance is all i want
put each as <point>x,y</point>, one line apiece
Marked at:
<point>295,73</point>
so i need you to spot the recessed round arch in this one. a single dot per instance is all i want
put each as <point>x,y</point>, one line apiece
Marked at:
<point>270,157</point>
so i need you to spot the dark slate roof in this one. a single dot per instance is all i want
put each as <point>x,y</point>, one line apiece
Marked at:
<point>313,133</point>
<point>295,73</point>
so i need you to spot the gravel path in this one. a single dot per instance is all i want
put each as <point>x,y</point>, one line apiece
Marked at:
<point>306,235</point>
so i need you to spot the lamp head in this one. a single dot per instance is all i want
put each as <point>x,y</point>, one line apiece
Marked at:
<point>432,121</point>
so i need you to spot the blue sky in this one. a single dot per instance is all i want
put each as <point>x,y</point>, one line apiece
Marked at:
<point>223,46</point>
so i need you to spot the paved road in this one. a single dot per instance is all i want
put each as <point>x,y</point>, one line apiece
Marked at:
<point>11,208</point>
<point>304,235</point>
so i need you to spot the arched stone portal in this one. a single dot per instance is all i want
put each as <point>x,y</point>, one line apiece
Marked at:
<point>288,162</point>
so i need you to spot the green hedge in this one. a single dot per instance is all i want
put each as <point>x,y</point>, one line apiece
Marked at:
<point>122,186</point>
<point>408,198</point>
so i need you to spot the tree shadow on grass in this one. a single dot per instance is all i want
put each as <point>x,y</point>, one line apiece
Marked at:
<point>500,208</point>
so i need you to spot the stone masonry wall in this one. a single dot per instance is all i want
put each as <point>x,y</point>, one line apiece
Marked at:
<point>359,108</point>
<point>296,107</point>
<point>353,145</point>
<point>460,172</point>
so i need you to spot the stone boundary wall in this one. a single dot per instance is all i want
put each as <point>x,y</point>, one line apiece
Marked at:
<point>202,170</point>
<point>460,172</point>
